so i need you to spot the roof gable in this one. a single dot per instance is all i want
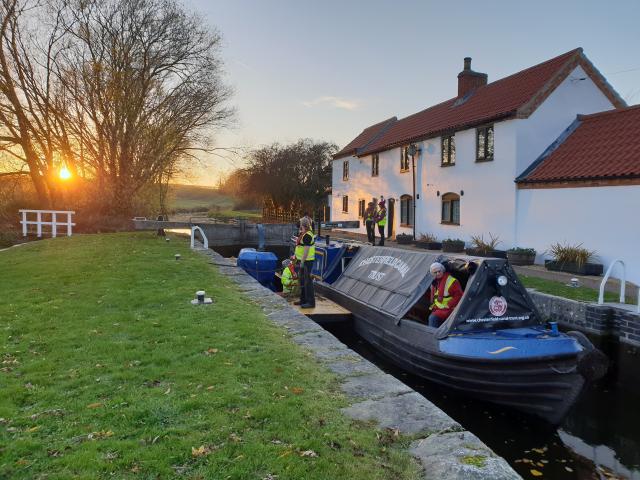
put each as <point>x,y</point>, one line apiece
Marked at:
<point>517,95</point>
<point>600,146</point>
<point>367,136</point>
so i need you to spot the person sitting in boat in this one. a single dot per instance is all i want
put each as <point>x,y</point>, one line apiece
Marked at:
<point>289,278</point>
<point>446,292</point>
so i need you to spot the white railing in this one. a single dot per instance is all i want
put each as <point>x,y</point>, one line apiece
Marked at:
<point>39,222</point>
<point>193,237</point>
<point>623,283</point>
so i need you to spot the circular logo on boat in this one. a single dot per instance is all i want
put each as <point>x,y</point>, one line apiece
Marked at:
<point>497,306</point>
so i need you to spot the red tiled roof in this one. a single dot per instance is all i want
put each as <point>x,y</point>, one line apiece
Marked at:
<point>367,136</point>
<point>516,95</point>
<point>604,145</point>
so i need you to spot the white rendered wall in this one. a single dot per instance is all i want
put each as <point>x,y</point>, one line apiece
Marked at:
<point>488,203</point>
<point>572,97</point>
<point>389,183</point>
<point>601,218</point>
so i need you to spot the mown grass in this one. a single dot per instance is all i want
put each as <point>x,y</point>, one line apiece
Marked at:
<point>560,289</point>
<point>109,372</point>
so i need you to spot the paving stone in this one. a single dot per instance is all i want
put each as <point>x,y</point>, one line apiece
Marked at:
<point>374,386</point>
<point>411,413</point>
<point>460,456</point>
<point>320,340</point>
<point>352,368</point>
<point>331,355</point>
<point>231,271</point>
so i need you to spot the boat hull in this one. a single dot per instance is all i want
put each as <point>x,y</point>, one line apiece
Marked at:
<point>543,386</point>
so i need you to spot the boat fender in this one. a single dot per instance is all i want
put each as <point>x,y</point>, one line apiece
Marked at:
<point>592,363</point>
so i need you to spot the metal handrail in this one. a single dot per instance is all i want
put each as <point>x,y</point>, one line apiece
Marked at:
<point>193,237</point>
<point>606,277</point>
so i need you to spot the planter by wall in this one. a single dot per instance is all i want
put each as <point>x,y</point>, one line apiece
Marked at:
<point>453,247</point>
<point>476,252</point>
<point>521,258</point>
<point>428,245</point>
<point>570,267</point>
<point>404,239</point>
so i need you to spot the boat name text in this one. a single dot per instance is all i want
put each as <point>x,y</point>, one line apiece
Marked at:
<point>393,262</point>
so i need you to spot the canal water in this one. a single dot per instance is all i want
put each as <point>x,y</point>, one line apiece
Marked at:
<point>599,439</point>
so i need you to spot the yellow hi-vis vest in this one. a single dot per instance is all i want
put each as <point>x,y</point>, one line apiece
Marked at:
<point>299,251</point>
<point>446,298</point>
<point>383,221</point>
<point>289,281</point>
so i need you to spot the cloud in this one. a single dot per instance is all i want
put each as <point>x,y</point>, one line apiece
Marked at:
<point>335,102</point>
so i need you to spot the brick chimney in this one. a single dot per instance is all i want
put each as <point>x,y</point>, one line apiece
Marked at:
<point>468,80</point>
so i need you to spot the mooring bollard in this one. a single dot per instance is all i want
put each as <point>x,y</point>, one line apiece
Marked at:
<point>178,256</point>
<point>201,299</point>
<point>575,283</point>
<point>167,239</point>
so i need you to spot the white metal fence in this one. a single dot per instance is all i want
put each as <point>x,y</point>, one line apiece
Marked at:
<point>41,217</point>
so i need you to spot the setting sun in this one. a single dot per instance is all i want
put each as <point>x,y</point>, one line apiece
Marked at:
<point>64,174</point>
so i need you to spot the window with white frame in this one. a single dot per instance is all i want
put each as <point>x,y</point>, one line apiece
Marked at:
<point>345,170</point>
<point>448,150</point>
<point>451,209</point>
<point>361,208</point>
<point>406,210</point>
<point>345,204</point>
<point>375,165</point>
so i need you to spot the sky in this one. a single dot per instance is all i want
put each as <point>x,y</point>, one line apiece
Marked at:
<point>328,69</point>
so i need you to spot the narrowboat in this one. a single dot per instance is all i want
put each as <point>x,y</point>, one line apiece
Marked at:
<point>494,346</point>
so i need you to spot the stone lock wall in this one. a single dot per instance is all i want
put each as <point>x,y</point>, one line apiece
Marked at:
<point>590,317</point>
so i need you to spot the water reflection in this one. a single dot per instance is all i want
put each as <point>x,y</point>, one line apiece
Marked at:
<point>600,438</point>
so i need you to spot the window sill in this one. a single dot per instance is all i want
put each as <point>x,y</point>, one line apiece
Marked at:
<point>404,171</point>
<point>484,160</point>
<point>448,164</point>
<point>345,179</point>
<point>374,175</point>
<point>344,211</point>
<point>406,225</point>
<point>450,223</point>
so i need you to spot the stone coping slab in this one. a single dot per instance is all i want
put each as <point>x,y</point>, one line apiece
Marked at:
<point>460,456</point>
<point>447,452</point>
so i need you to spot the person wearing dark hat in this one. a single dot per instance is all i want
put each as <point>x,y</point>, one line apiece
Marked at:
<point>305,252</point>
<point>369,222</point>
<point>381,219</point>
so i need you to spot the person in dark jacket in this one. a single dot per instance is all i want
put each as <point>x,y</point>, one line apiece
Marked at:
<point>369,222</point>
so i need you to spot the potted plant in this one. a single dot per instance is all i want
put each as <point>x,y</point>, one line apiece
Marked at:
<point>453,245</point>
<point>404,239</point>
<point>482,248</point>
<point>428,241</point>
<point>521,256</point>
<point>573,259</point>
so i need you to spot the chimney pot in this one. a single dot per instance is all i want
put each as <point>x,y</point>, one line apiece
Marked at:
<point>467,63</point>
<point>468,80</point>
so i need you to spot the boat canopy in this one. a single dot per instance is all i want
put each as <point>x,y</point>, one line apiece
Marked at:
<point>392,281</point>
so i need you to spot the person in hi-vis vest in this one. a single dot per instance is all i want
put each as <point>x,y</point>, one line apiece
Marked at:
<point>446,292</point>
<point>381,219</point>
<point>305,255</point>
<point>370,223</point>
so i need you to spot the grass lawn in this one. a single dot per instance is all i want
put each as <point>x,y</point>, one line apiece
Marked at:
<point>108,372</point>
<point>559,289</point>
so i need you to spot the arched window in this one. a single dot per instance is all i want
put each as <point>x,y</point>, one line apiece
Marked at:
<point>451,208</point>
<point>406,210</point>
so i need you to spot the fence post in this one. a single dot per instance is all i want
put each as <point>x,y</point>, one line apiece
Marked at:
<point>39,225</point>
<point>68,224</point>
<point>24,224</point>
<point>54,225</point>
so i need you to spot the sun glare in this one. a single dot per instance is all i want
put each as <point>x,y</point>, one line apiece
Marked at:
<point>65,174</point>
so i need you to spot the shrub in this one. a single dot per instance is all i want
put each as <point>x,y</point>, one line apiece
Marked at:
<point>522,251</point>
<point>428,237</point>
<point>485,246</point>
<point>571,253</point>
<point>453,241</point>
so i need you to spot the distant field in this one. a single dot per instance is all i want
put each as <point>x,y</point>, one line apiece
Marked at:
<point>182,197</point>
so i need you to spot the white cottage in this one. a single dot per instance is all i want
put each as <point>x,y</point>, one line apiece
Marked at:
<point>470,150</point>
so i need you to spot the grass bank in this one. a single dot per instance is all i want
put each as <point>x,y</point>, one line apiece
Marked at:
<point>108,372</point>
<point>560,289</point>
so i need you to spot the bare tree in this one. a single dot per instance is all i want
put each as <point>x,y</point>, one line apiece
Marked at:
<point>122,91</point>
